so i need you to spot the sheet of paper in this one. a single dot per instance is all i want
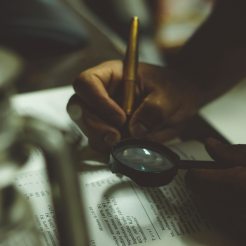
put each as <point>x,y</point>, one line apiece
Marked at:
<point>227,114</point>
<point>33,183</point>
<point>47,105</point>
<point>122,213</point>
<point>118,211</point>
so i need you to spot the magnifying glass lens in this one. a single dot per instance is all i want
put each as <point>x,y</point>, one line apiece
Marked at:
<point>143,159</point>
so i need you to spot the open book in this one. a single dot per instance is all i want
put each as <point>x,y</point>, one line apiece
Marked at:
<point>118,211</point>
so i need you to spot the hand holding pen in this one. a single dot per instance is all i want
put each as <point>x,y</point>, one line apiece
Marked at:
<point>165,100</point>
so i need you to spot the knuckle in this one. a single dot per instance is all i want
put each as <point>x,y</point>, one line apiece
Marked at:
<point>83,82</point>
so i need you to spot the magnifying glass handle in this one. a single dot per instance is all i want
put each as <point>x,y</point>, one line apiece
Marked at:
<point>188,164</point>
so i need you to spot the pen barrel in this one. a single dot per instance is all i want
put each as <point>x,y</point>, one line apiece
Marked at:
<point>188,164</point>
<point>129,96</point>
<point>130,67</point>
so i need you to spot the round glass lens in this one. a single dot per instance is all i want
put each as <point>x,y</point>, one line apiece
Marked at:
<point>143,159</point>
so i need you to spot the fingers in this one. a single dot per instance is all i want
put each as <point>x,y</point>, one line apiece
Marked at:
<point>221,189</point>
<point>163,135</point>
<point>101,135</point>
<point>221,195</point>
<point>94,109</point>
<point>95,87</point>
<point>150,116</point>
<point>219,183</point>
<point>158,118</point>
<point>227,154</point>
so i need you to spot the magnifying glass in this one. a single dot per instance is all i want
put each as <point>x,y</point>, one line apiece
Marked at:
<point>149,163</point>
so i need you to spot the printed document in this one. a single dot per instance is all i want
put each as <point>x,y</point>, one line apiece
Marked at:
<point>118,211</point>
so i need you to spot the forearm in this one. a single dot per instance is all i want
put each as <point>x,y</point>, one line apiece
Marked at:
<point>215,57</point>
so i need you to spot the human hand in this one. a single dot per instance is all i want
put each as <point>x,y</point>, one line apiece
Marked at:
<point>222,192</point>
<point>166,102</point>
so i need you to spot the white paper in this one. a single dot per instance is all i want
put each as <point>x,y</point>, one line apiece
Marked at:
<point>118,211</point>
<point>227,114</point>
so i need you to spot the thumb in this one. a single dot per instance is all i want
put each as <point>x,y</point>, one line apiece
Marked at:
<point>226,154</point>
<point>220,182</point>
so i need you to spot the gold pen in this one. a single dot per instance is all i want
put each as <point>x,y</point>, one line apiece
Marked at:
<point>130,67</point>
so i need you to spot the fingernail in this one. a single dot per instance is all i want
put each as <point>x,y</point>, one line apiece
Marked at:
<point>139,130</point>
<point>111,138</point>
<point>74,111</point>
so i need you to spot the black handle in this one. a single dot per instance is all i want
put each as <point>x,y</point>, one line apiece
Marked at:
<point>187,164</point>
